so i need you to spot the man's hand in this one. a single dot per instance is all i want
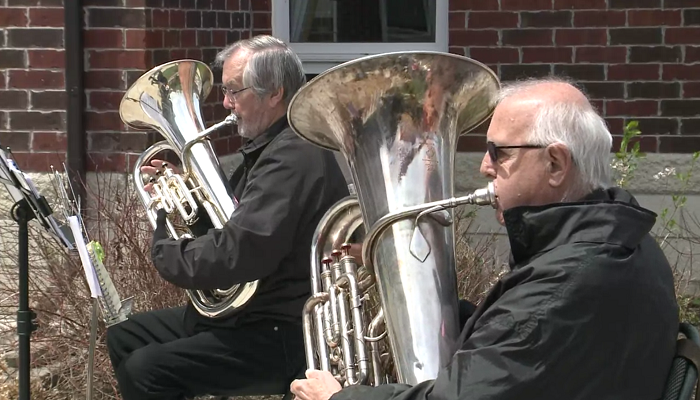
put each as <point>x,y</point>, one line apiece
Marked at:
<point>319,385</point>
<point>156,165</point>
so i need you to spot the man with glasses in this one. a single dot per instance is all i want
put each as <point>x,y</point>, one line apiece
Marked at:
<point>283,186</point>
<point>588,309</point>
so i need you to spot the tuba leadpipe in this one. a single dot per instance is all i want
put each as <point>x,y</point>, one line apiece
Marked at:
<point>167,99</point>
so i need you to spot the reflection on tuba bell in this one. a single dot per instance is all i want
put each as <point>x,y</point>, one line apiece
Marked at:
<point>167,99</point>
<point>396,118</point>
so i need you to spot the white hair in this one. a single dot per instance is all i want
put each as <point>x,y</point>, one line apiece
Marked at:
<point>578,126</point>
<point>272,65</point>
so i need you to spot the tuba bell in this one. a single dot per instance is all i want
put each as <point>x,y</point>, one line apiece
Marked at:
<point>396,119</point>
<point>167,99</point>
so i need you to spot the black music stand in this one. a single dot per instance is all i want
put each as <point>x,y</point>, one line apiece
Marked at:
<point>29,205</point>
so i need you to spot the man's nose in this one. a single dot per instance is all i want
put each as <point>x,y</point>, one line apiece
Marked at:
<point>228,104</point>
<point>486,169</point>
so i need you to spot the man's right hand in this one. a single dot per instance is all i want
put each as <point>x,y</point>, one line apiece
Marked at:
<point>156,165</point>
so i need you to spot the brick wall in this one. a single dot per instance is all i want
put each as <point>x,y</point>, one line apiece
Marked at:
<point>122,39</point>
<point>638,59</point>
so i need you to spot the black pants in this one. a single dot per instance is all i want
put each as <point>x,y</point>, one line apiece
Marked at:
<point>154,357</point>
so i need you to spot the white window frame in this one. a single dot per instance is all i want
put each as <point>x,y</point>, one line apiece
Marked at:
<point>318,57</point>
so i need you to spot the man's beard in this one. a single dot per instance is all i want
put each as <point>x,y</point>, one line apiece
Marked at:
<point>249,129</point>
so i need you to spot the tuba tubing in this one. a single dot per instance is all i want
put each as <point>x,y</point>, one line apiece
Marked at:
<point>167,99</point>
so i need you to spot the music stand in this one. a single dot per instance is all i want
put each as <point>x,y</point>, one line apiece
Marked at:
<point>29,205</point>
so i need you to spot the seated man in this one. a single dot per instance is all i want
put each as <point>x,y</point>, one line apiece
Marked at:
<point>284,186</point>
<point>588,310</point>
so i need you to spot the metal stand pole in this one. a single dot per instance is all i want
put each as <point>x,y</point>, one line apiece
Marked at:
<point>26,318</point>
<point>91,351</point>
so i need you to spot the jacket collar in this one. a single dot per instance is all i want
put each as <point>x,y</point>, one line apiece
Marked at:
<point>604,216</point>
<point>266,137</point>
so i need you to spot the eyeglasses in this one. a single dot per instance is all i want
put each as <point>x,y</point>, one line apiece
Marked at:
<point>232,93</point>
<point>492,149</point>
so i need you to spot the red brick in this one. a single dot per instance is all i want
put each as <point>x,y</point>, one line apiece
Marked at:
<point>104,80</point>
<point>160,18</point>
<point>527,37</point>
<point>682,35</point>
<point>654,17</point>
<point>547,55</point>
<point>194,54</point>
<point>691,89</point>
<point>46,17</point>
<point>203,38</point>
<point>457,50</point>
<point>600,54</point>
<point>39,162</point>
<point>36,79</point>
<point>16,141</point>
<point>679,144</point>
<point>107,101</point>
<point>457,20</point>
<point>177,19</point>
<point>579,4</point>
<point>46,58</point>
<point>103,38</point>
<point>625,72</point>
<point>3,85</point>
<point>171,38</point>
<point>692,54</point>
<point>600,18</point>
<point>469,5</point>
<point>143,39</point>
<point>492,19</point>
<point>261,5</point>
<point>234,5</point>
<point>680,72</point>
<point>13,17</point>
<point>578,37</point>
<point>103,121</point>
<point>495,55</point>
<point>640,108</point>
<point>472,143</point>
<point>218,38</point>
<point>486,37</point>
<point>262,20</point>
<point>47,141</point>
<point>188,38</point>
<point>526,4</point>
<point>614,124</point>
<point>114,59</point>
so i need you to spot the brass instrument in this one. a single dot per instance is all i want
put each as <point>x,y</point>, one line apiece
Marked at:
<point>396,118</point>
<point>167,99</point>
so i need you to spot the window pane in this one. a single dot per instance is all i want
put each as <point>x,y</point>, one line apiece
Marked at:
<point>362,21</point>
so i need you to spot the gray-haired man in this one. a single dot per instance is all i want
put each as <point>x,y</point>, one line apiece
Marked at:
<point>284,186</point>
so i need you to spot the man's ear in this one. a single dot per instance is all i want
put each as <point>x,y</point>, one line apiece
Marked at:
<point>559,163</point>
<point>276,98</point>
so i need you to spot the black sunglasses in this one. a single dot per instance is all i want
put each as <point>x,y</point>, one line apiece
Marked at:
<point>492,148</point>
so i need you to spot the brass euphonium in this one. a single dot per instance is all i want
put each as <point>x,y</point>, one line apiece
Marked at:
<point>167,99</point>
<point>396,118</point>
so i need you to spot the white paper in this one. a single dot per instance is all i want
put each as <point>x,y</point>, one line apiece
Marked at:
<point>90,274</point>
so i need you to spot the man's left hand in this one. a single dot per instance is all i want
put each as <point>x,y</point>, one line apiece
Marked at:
<point>319,385</point>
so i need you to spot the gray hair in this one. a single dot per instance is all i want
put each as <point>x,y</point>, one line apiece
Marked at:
<point>578,126</point>
<point>272,65</point>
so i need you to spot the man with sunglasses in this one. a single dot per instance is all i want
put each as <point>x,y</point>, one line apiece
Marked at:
<point>283,187</point>
<point>588,309</point>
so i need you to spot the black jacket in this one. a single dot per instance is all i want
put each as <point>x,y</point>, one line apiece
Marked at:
<point>284,186</point>
<point>588,311</point>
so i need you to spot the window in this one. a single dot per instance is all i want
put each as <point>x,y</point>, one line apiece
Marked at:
<point>327,32</point>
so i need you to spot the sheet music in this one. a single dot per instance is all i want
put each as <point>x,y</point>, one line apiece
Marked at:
<point>88,268</point>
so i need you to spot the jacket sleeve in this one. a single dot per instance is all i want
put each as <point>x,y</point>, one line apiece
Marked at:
<point>501,359</point>
<point>259,234</point>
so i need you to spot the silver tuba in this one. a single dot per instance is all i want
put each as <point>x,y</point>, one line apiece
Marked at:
<point>396,118</point>
<point>167,99</point>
